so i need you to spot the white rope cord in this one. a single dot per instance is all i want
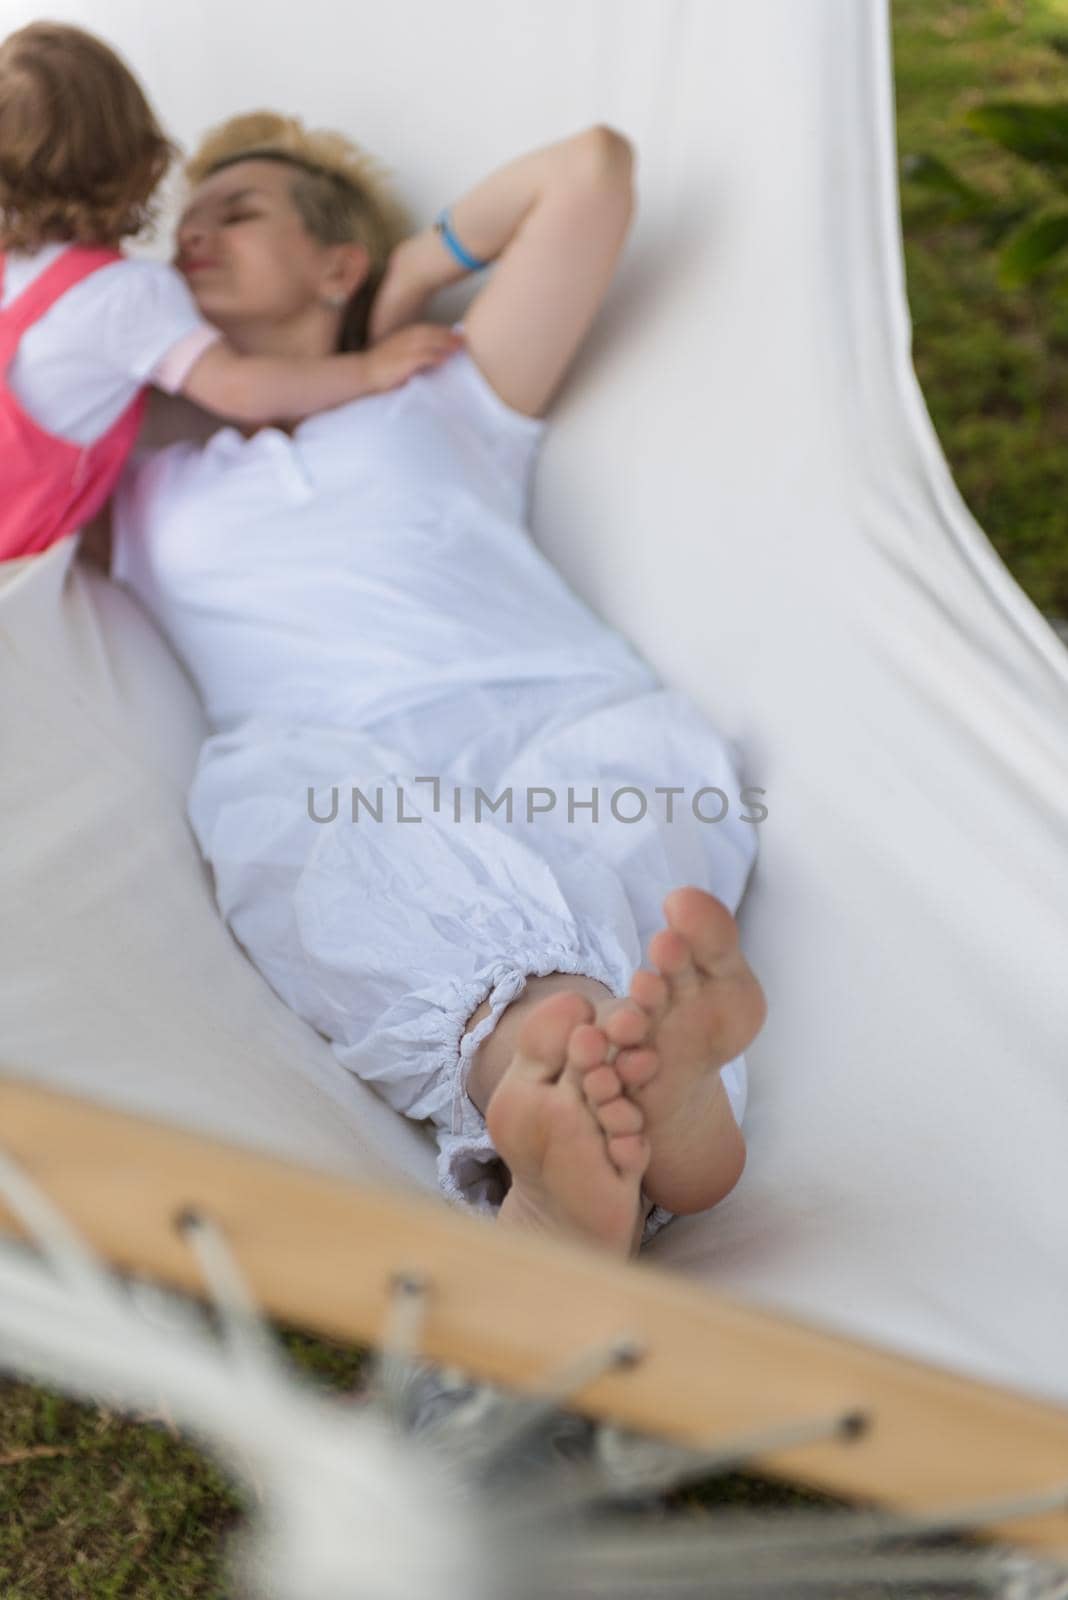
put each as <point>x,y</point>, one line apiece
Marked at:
<point>515,1419</point>
<point>395,1381</point>
<point>246,1332</point>
<point>867,1575</point>
<point>753,1531</point>
<point>353,1508</point>
<point>629,1464</point>
<point>55,1238</point>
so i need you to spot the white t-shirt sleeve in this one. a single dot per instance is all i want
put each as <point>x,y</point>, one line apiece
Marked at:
<point>147,314</point>
<point>512,436</point>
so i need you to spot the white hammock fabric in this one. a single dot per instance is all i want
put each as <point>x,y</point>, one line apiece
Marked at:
<point>742,477</point>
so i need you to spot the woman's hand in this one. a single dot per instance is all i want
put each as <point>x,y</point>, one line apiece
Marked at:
<point>402,294</point>
<point>400,354</point>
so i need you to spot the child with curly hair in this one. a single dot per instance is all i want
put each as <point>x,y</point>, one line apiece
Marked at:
<point>85,330</point>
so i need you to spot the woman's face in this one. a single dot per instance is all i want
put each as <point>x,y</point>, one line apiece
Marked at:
<point>244,251</point>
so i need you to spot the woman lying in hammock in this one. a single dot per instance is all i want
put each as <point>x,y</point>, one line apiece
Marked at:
<point>363,610</point>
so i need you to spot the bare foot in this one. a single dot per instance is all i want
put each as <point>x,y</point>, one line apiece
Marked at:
<point>570,1137</point>
<point>675,1030</point>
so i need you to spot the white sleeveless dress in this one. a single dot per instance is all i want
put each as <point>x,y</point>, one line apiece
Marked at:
<point>384,655</point>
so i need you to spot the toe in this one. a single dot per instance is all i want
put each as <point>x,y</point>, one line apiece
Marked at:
<point>543,1040</point>
<point>587,1046</point>
<point>651,992</point>
<point>670,952</point>
<point>629,1153</point>
<point>624,1021</point>
<point>620,1116</point>
<point>705,924</point>
<point>601,1084</point>
<point>636,1068</point>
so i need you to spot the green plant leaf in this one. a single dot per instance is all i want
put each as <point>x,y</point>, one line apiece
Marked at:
<point>931,172</point>
<point>1039,133</point>
<point>999,222</point>
<point>1033,248</point>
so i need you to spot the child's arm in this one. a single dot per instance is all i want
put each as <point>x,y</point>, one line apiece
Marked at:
<point>263,389</point>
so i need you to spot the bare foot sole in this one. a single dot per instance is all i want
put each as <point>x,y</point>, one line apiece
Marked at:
<point>570,1137</point>
<point>671,1035</point>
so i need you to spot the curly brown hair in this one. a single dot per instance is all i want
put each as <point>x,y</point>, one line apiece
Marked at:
<point>81,152</point>
<point>341,191</point>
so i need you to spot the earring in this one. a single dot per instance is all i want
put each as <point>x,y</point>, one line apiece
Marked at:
<point>335,301</point>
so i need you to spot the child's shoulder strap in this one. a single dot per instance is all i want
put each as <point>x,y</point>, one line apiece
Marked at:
<point>69,268</point>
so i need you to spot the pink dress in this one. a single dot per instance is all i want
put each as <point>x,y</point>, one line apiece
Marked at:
<point>50,487</point>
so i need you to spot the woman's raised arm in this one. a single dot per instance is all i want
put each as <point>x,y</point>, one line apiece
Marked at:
<point>554,223</point>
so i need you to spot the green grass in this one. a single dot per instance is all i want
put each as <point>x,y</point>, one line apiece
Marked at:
<point>121,1509</point>
<point>993,363</point>
<point>126,1511</point>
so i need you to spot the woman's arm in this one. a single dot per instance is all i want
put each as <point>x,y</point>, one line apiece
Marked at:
<point>554,221</point>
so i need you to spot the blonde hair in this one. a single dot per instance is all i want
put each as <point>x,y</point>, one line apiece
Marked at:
<point>339,189</point>
<point>81,152</point>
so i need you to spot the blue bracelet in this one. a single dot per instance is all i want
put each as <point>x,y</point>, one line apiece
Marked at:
<point>470,262</point>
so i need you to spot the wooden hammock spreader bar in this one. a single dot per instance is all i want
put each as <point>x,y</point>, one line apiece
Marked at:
<point>512,1308</point>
